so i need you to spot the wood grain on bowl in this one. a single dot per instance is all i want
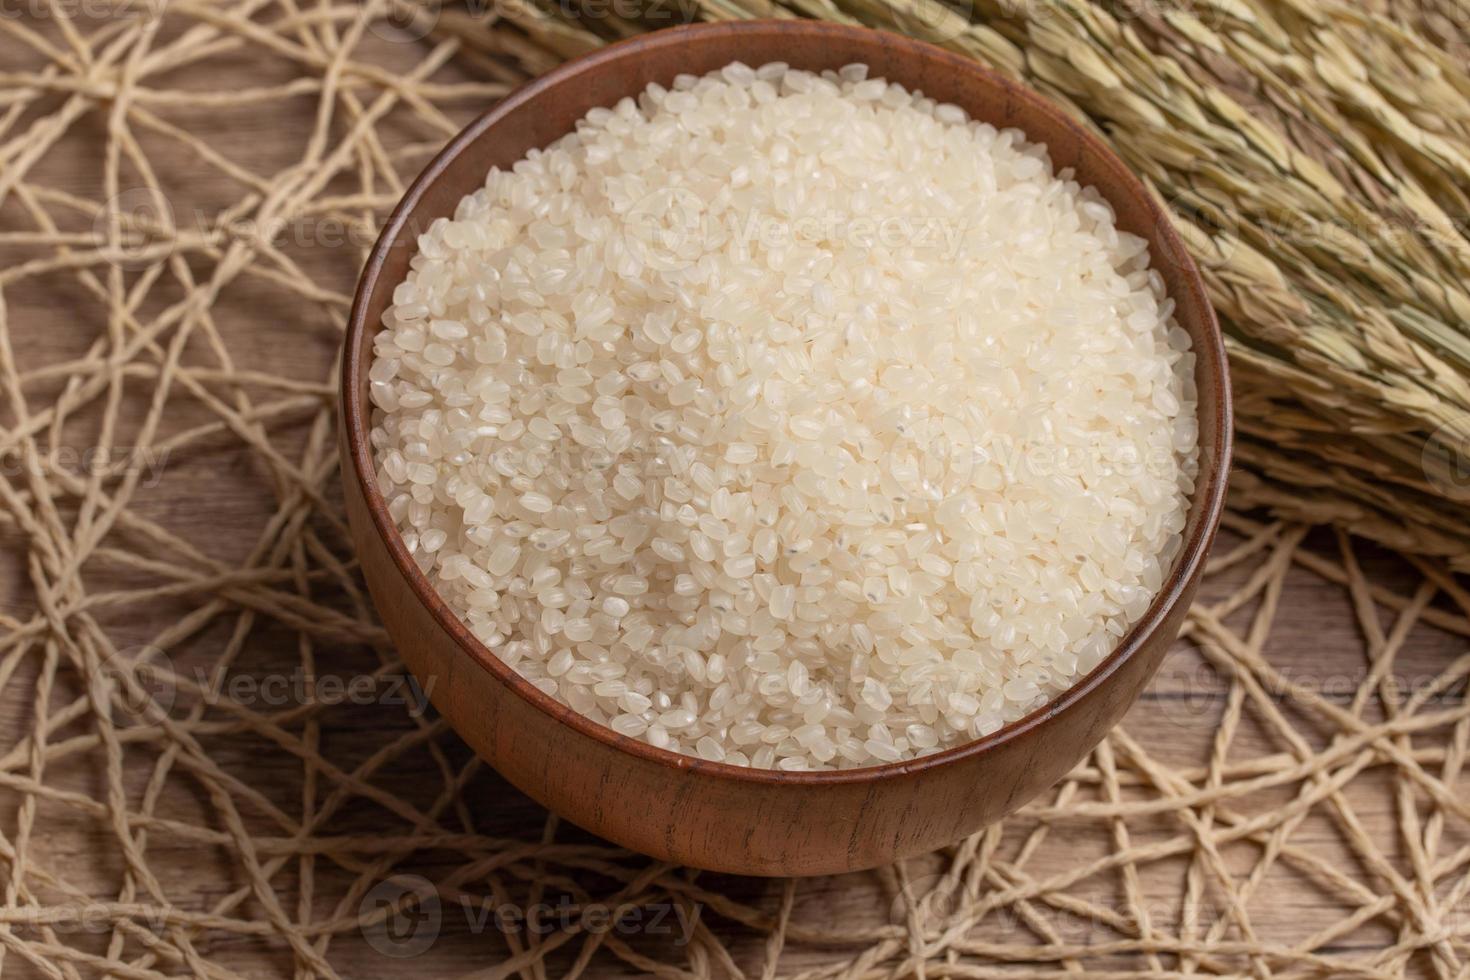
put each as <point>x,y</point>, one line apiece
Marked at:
<point>708,814</point>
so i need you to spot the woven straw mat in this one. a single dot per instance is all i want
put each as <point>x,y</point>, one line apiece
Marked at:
<point>210,764</point>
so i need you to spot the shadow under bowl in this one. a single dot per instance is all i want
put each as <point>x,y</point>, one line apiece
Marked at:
<point>712,815</point>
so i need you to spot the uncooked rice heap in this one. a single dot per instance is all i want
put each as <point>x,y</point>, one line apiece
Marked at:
<point>788,420</point>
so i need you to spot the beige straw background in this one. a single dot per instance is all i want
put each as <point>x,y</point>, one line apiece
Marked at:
<point>211,765</point>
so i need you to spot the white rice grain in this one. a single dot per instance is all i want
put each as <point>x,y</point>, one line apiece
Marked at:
<point>773,414</point>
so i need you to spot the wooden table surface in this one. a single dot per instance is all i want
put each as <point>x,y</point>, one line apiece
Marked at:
<point>257,373</point>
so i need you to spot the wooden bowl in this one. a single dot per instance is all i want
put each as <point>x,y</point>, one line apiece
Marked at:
<point>714,815</point>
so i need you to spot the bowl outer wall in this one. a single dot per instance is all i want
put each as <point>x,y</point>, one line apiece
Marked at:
<point>711,815</point>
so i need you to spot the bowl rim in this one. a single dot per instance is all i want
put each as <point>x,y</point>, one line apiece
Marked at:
<point>356,421</point>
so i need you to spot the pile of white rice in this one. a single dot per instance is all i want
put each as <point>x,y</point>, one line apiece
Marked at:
<point>788,420</point>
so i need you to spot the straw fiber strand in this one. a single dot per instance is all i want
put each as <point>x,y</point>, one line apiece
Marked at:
<point>212,766</point>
